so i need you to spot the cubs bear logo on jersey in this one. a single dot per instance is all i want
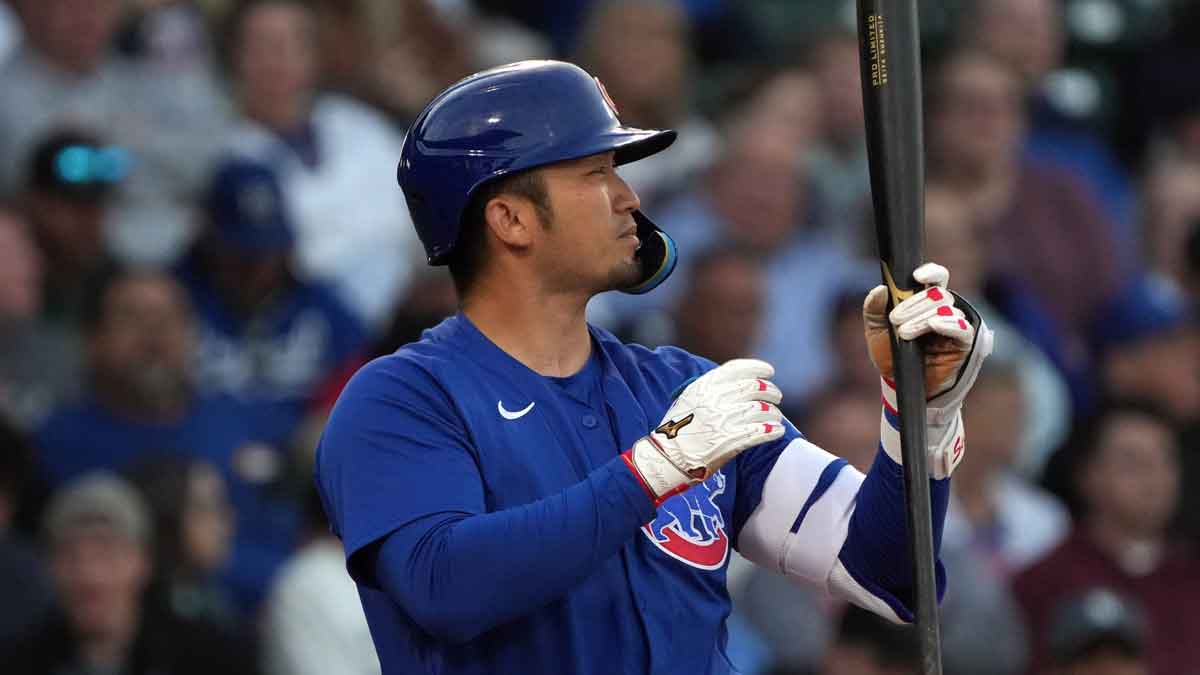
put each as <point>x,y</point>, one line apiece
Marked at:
<point>690,528</point>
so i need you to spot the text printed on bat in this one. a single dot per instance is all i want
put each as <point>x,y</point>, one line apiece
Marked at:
<point>877,47</point>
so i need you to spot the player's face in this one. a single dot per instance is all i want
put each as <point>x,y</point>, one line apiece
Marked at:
<point>592,241</point>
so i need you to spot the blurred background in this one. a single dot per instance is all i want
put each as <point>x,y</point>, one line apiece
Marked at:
<point>201,239</point>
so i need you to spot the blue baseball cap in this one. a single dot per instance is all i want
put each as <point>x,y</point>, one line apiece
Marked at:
<point>247,209</point>
<point>1147,308</point>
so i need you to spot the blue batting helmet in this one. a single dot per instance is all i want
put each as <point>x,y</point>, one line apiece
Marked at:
<point>508,119</point>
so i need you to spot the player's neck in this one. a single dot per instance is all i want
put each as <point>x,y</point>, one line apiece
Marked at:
<point>546,332</point>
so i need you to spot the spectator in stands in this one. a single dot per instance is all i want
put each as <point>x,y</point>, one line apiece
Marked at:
<point>70,184</point>
<point>1171,209</point>
<point>399,54</point>
<point>38,364</point>
<point>997,524</point>
<point>1012,311</point>
<point>727,324</point>
<point>641,51</point>
<point>869,645</point>
<point>65,72</point>
<point>23,581</point>
<point>1125,468</point>
<point>139,399</point>
<point>314,621</point>
<point>839,161</point>
<point>171,35</point>
<point>1098,633</point>
<point>1146,344</point>
<point>998,513</point>
<point>755,198</point>
<point>1161,99</point>
<point>845,419</point>
<point>335,158</point>
<point>60,70</point>
<point>857,373</point>
<point>266,337</point>
<point>190,507</point>
<point>787,104</point>
<point>1040,224</point>
<point>98,535</point>
<point>1029,36</point>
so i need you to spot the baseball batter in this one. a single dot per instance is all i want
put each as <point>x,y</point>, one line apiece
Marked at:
<point>520,492</point>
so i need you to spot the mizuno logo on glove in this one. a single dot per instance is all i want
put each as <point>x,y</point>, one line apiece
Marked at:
<point>671,428</point>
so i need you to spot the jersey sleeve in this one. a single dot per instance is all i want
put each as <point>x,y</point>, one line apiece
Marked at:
<point>393,453</point>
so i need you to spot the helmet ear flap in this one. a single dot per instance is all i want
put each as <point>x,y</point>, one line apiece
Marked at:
<point>657,255</point>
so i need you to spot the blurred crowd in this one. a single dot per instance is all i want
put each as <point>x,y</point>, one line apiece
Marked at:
<point>201,239</point>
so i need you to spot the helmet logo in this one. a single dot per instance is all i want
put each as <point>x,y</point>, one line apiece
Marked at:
<point>607,98</point>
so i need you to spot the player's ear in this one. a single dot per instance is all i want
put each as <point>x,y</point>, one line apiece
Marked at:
<point>511,219</point>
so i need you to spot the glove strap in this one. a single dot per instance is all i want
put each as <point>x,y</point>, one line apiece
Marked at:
<point>943,434</point>
<point>657,474</point>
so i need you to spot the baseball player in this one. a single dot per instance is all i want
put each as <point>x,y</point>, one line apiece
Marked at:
<point>520,492</point>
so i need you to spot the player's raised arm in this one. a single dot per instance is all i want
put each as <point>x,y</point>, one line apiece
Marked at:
<point>401,483</point>
<point>821,520</point>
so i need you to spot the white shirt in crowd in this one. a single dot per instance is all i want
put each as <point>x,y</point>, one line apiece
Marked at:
<point>352,225</point>
<point>314,622</point>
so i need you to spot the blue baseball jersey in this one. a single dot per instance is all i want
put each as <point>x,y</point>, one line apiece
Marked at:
<point>275,360</point>
<point>86,436</point>
<point>526,544</point>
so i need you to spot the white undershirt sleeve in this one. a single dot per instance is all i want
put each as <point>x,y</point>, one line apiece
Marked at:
<point>802,519</point>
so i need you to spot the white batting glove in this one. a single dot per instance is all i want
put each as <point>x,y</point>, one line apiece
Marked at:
<point>952,362</point>
<point>723,412</point>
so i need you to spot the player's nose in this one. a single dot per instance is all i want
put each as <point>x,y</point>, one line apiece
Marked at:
<point>625,198</point>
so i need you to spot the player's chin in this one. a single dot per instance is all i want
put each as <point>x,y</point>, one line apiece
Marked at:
<point>624,274</point>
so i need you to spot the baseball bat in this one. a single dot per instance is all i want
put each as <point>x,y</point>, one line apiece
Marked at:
<point>890,61</point>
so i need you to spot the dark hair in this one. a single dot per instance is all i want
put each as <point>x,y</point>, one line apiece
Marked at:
<point>164,482</point>
<point>92,307</point>
<point>470,251</point>
<point>1064,467</point>
<point>95,300</point>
